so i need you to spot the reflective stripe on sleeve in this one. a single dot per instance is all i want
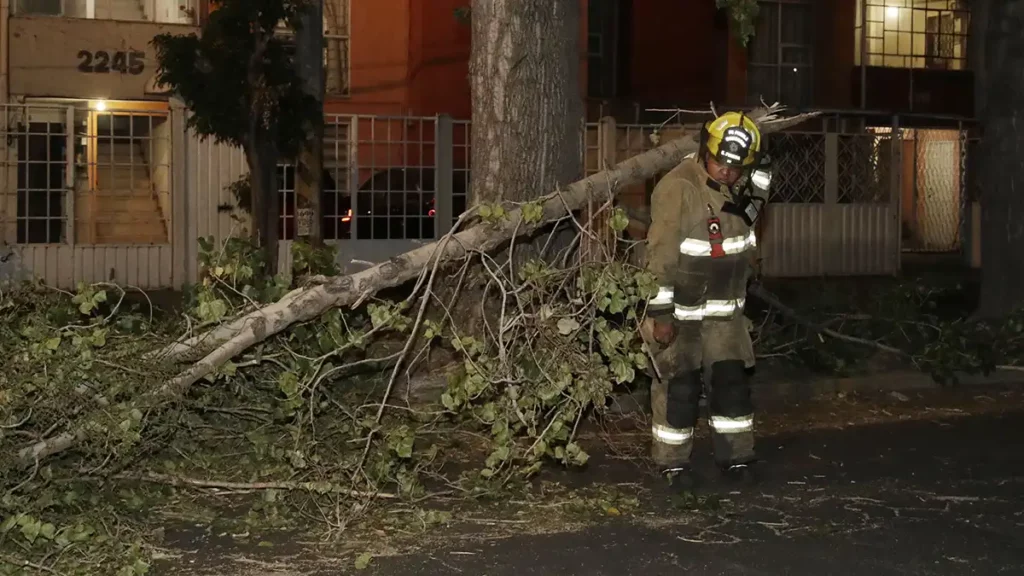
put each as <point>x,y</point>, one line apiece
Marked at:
<point>732,245</point>
<point>671,436</point>
<point>663,297</point>
<point>727,425</point>
<point>710,309</point>
<point>762,179</point>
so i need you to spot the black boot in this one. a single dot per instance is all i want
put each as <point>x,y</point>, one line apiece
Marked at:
<point>681,480</point>
<point>741,474</point>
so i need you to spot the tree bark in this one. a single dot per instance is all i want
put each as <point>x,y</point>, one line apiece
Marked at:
<point>1001,150</point>
<point>261,156</point>
<point>309,56</point>
<point>527,105</point>
<point>305,304</point>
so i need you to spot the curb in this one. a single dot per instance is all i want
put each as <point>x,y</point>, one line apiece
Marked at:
<point>795,389</point>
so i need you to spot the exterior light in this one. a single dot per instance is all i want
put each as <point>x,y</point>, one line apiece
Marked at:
<point>100,105</point>
<point>892,12</point>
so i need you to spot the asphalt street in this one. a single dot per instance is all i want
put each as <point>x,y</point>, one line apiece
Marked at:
<point>928,483</point>
<point>940,496</point>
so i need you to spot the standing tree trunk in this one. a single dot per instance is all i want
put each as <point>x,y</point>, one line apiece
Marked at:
<point>1002,172</point>
<point>309,57</point>
<point>261,156</point>
<point>527,106</point>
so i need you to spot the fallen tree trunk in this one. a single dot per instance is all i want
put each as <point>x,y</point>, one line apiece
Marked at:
<point>305,304</point>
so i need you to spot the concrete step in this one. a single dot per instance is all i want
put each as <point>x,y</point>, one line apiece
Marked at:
<point>141,205</point>
<point>124,185</point>
<point>130,229</point>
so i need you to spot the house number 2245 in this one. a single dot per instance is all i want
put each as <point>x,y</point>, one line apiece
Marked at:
<point>103,62</point>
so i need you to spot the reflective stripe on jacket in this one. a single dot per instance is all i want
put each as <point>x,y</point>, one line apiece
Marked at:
<point>696,281</point>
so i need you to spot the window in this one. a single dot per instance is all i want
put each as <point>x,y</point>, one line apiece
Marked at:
<point>602,48</point>
<point>163,11</point>
<point>336,46</point>
<point>913,33</point>
<point>41,171</point>
<point>39,7</point>
<point>122,177</point>
<point>780,61</point>
<point>335,198</point>
<point>336,38</point>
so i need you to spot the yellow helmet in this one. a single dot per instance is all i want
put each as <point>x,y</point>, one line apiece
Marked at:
<point>732,139</point>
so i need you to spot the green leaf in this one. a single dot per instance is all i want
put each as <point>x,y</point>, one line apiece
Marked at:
<point>140,568</point>
<point>622,369</point>
<point>532,212</point>
<point>363,561</point>
<point>496,457</point>
<point>449,402</point>
<point>213,311</point>
<point>52,344</point>
<point>404,447</point>
<point>48,531</point>
<point>576,455</point>
<point>8,523</point>
<point>567,326</point>
<point>30,530</point>
<point>619,220</point>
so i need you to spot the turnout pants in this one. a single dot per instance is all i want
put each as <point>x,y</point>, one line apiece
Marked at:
<point>724,349</point>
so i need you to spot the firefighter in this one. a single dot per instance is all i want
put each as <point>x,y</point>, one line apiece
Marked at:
<point>700,247</point>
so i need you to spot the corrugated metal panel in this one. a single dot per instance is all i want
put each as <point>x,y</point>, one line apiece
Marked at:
<point>791,240</point>
<point>864,240</point>
<point>211,169</point>
<point>145,267</point>
<point>800,240</point>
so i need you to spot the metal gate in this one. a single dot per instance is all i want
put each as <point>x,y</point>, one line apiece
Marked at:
<point>86,194</point>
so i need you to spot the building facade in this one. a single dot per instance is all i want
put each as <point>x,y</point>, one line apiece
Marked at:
<point>101,181</point>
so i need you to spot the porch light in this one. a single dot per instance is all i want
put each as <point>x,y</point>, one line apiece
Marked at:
<point>892,11</point>
<point>99,105</point>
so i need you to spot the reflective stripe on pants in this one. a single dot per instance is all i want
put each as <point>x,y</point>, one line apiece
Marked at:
<point>710,309</point>
<point>671,436</point>
<point>727,425</point>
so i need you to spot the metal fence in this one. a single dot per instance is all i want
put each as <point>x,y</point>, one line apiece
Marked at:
<point>935,194</point>
<point>846,196</point>
<point>85,194</point>
<point>76,175</point>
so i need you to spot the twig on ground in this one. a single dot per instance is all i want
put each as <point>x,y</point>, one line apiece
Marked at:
<point>289,486</point>
<point>27,564</point>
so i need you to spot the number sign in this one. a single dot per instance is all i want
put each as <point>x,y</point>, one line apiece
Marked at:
<point>101,62</point>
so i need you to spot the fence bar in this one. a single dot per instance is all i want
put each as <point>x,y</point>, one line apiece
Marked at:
<point>444,173</point>
<point>69,175</point>
<point>896,189</point>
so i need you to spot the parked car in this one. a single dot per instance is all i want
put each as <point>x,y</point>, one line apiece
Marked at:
<point>394,204</point>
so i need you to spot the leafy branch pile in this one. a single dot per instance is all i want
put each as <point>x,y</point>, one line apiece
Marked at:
<point>310,418</point>
<point>921,322</point>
